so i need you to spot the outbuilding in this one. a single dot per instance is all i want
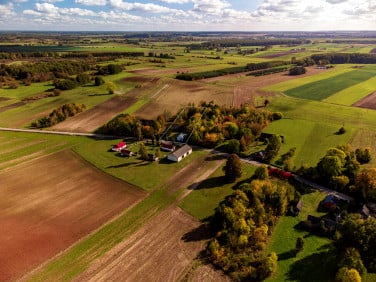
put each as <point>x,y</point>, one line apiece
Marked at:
<point>180,153</point>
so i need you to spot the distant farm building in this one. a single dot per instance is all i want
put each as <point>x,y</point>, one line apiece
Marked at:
<point>167,146</point>
<point>180,153</point>
<point>126,153</point>
<point>118,147</point>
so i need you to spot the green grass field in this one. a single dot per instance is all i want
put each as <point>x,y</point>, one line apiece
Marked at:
<point>202,201</point>
<point>314,254</point>
<point>322,89</point>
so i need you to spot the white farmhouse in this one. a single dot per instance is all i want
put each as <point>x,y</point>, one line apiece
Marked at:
<point>180,153</point>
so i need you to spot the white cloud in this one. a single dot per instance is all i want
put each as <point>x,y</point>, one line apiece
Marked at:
<point>336,1</point>
<point>174,1</point>
<point>210,6</point>
<point>140,7</point>
<point>6,11</point>
<point>91,2</point>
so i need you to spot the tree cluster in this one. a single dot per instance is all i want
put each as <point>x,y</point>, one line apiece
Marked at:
<point>344,58</point>
<point>58,115</point>
<point>340,169</point>
<point>243,222</point>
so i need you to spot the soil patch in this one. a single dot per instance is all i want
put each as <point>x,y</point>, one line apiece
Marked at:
<point>206,273</point>
<point>11,106</point>
<point>2,99</point>
<point>159,251</point>
<point>95,117</point>
<point>49,203</point>
<point>368,102</point>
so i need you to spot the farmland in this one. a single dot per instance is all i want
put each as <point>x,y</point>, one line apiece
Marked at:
<point>106,215</point>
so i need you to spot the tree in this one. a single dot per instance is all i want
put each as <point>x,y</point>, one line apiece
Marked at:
<point>363,156</point>
<point>233,168</point>
<point>99,81</point>
<point>365,182</point>
<point>111,87</point>
<point>298,70</point>
<point>351,258</point>
<point>348,275</point>
<point>143,152</point>
<point>299,244</point>
<point>273,147</point>
<point>261,173</point>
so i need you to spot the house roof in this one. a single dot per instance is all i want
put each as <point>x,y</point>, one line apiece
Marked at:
<point>120,145</point>
<point>181,151</point>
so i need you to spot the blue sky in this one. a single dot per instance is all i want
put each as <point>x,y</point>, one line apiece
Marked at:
<point>187,15</point>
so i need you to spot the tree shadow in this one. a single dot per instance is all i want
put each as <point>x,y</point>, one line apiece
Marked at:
<point>209,183</point>
<point>287,255</point>
<point>305,269</point>
<point>216,157</point>
<point>203,232</point>
<point>124,165</point>
<point>105,94</point>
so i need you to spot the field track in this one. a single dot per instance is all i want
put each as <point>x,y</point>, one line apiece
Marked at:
<point>49,203</point>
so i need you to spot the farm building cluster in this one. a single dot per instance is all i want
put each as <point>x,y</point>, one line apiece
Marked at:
<point>176,152</point>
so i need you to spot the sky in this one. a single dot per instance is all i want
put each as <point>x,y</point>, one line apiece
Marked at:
<point>187,15</point>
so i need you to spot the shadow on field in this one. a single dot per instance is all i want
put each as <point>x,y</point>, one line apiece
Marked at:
<point>209,183</point>
<point>104,94</point>
<point>200,233</point>
<point>124,165</point>
<point>287,255</point>
<point>306,269</point>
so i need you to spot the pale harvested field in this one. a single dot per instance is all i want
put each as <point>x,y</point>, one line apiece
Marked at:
<point>368,102</point>
<point>49,203</point>
<point>90,120</point>
<point>207,273</point>
<point>230,90</point>
<point>159,251</point>
<point>178,93</point>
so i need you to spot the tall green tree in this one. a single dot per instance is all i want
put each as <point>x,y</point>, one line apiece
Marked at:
<point>233,167</point>
<point>273,147</point>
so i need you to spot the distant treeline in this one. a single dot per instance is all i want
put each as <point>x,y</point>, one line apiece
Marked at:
<point>230,42</point>
<point>19,52</point>
<point>344,58</point>
<point>353,41</point>
<point>232,70</point>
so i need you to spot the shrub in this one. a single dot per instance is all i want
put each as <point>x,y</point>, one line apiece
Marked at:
<point>297,70</point>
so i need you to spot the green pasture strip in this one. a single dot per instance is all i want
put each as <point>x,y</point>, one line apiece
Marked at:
<point>136,106</point>
<point>18,144</point>
<point>354,93</point>
<point>25,91</point>
<point>300,81</point>
<point>363,138</point>
<point>203,200</point>
<point>148,175</point>
<point>314,254</point>
<point>338,115</point>
<point>310,138</point>
<point>78,258</point>
<point>89,95</point>
<point>323,89</point>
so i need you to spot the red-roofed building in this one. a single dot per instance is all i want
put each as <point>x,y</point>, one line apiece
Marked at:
<point>118,147</point>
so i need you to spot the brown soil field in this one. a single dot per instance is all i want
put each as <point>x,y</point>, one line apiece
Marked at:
<point>4,99</point>
<point>11,106</point>
<point>206,273</point>
<point>90,120</point>
<point>49,203</point>
<point>159,251</point>
<point>368,102</point>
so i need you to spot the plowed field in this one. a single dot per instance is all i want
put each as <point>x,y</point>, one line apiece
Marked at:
<point>49,203</point>
<point>160,251</point>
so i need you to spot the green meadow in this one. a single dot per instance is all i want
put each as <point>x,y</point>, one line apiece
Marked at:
<point>322,89</point>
